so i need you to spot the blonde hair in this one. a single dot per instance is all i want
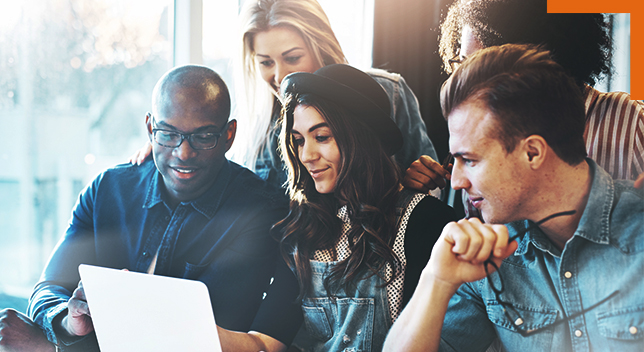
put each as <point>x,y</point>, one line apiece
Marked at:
<point>256,100</point>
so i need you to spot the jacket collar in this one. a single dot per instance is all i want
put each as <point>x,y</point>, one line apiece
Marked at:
<point>594,224</point>
<point>205,204</point>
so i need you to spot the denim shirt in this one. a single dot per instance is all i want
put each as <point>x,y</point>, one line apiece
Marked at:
<point>122,219</point>
<point>605,254</point>
<point>404,111</point>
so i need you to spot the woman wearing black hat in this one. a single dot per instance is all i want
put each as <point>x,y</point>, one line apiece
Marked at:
<point>355,240</point>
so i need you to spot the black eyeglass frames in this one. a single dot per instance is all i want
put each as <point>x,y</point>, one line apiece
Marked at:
<point>197,141</point>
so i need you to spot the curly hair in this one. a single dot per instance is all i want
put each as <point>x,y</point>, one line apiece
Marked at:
<point>579,42</point>
<point>368,183</point>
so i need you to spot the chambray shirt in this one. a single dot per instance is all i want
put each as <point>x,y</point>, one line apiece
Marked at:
<point>543,283</point>
<point>404,111</point>
<point>122,219</point>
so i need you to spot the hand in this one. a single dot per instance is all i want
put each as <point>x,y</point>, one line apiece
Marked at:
<point>425,174</point>
<point>140,155</point>
<point>639,183</point>
<point>78,321</point>
<point>19,334</point>
<point>463,247</point>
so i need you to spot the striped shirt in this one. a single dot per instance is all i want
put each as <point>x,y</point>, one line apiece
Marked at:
<point>614,132</point>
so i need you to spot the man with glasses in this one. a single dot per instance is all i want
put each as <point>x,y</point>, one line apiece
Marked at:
<point>572,280</point>
<point>188,213</point>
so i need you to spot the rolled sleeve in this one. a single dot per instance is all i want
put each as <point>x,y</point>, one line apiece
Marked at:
<point>466,326</point>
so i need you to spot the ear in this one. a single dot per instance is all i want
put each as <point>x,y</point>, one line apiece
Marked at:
<point>535,148</point>
<point>230,133</point>
<point>148,125</point>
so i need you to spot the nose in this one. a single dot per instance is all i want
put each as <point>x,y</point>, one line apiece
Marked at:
<point>308,153</point>
<point>280,72</point>
<point>459,180</point>
<point>184,151</point>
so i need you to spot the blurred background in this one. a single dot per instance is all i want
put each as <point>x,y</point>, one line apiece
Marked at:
<point>77,76</point>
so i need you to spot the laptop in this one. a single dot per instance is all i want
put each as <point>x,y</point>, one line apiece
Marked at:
<point>140,312</point>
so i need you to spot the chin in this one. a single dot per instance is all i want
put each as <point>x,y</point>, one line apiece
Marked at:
<point>323,188</point>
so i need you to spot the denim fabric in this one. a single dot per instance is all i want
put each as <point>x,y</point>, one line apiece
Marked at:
<point>543,283</point>
<point>351,319</point>
<point>221,238</point>
<point>355,319</point>
<point>404,111</point>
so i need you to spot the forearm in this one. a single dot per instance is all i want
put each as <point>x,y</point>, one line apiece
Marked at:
<point>233,341</point>
<point>418,328</point>
<point>47,306</point>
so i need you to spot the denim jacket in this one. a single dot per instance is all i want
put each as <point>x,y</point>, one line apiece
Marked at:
<point>545,285</point>
<point>121,220</point>
<point>404,111</point>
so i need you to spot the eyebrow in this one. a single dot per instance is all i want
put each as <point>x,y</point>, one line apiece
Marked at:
<point>198,130</point>
<point>283,54</point>
<point>459,154</point>
<point>314,127</point>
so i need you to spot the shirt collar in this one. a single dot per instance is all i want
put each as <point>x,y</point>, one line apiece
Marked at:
<point>205,204</point>
<point>594,222</point>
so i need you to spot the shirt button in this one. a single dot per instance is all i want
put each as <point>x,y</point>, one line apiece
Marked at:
<point>632,330</point>
<point>578,333</point>
<point>167,218</point>
<point>568,274</point>
<point>518,322</point>
<point>145,254</point>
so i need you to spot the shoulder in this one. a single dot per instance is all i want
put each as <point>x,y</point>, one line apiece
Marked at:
<point>245,183</point>
<point>391,82</point>
<point>383,76</point>
<point>427,220</point>
<point>609,104</point>
<point>433,208</point>
<point>124,176</point>
<point>628,201</point>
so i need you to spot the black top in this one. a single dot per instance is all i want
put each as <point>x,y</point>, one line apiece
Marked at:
<point>280,316</point>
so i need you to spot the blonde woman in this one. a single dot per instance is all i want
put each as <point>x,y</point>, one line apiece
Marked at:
<point>280,37</point>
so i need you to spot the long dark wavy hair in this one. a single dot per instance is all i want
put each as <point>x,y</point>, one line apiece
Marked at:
<point>368,183</point>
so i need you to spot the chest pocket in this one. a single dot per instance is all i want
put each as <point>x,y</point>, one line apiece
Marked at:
<point>622,327</point>
<point>349,321</point>
<point>531,319</point>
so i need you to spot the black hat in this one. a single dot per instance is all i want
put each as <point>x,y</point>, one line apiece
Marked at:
<point>354,90</point>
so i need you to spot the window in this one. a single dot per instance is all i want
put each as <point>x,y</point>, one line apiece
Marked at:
<point>76,84</point>
<point>77,77</point>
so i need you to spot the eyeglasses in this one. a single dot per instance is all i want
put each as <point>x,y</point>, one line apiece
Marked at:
<point>509,311</point>
<point>197,141</point>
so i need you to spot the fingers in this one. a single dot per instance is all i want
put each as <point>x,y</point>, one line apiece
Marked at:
<point>475,242</point>
<point>77,304</point>
<point>639,183</point>
<point>425,174</point>
<point>140,155</point>
<point>411,181</point>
